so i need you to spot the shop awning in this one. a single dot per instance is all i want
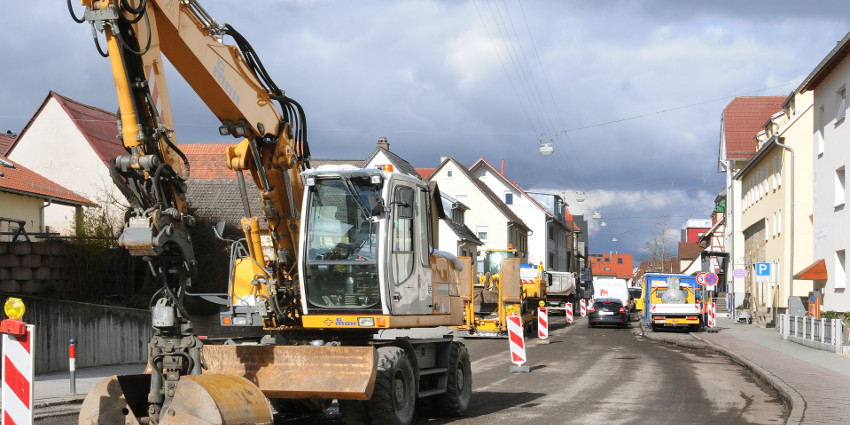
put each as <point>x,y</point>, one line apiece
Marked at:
<point>815,271</point>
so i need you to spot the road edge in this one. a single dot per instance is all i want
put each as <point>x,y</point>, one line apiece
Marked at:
<point>788,393</point>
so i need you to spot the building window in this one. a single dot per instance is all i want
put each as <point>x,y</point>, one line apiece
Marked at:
<point>773,174</point>
<point>819,134</point>
<point>481,232</point>
<point>842,105</point>
<point>779,173</point>
<point>509,198</point>
<point>449,173</point>
<point>619,261</point>
<point>840,270</point>
<point>839,187</point>
<point>766,228</point>
<point>775,224</point>
<point>779,222</point>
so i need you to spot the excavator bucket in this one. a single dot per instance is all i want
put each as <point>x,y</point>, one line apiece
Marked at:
<point>234,388</point>
<point>198,399</point>
<point>299,372</point>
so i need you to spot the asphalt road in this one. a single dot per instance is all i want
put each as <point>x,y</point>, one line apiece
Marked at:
<point>600,375</point>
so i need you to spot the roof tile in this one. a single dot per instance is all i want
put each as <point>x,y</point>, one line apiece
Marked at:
<point>743,118</point>
<point>23,181</point>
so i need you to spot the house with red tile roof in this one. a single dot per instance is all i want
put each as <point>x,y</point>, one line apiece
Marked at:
<point>24,194</point>
<point>71,143</point>
<point>548,238</point>
<point>741,121</point>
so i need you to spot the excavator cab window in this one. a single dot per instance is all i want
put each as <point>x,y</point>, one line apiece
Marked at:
<point>493,260</point>
<point>342,244</point>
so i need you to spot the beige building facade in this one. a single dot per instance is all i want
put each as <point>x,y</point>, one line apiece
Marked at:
<point>776,206</point>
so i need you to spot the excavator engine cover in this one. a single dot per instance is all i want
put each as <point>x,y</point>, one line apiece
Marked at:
<point>198,399</point>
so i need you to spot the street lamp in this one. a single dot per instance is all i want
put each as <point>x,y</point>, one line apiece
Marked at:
<point>546,148</point>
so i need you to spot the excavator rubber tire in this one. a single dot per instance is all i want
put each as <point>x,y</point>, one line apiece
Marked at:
<point>455,401</point>
<point>354,412</point>
<point>393,401</point>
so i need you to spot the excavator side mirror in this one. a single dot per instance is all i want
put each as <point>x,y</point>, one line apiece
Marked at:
<point>376,204</point>
<point>218,229</point>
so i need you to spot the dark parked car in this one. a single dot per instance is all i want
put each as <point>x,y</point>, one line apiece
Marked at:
<point>607,311</point>
<point>634,294</point>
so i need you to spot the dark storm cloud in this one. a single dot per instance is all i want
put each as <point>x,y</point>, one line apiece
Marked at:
<point>630,92</point>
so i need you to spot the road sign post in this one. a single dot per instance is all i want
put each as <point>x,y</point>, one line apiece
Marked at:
<point>762,272</point>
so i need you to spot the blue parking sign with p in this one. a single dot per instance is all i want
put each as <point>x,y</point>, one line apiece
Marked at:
<point>762,269</point>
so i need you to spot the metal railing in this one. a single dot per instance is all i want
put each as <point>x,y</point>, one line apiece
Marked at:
<point>823,334</point>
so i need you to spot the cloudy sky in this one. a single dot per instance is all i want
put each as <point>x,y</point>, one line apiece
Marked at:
<point>628,92</point>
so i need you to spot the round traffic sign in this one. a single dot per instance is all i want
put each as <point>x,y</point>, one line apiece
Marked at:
<point>701,278</point>
<point>710,279</point>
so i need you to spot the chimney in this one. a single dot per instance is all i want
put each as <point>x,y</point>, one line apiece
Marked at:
<point>443,159</point>
<point>503,167</point>
<point>383,143</point>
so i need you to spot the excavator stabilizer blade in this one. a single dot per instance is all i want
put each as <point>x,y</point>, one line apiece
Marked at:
<point>198,399</point>
<point>296,372</point>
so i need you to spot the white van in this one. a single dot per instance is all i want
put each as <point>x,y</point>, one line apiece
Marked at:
<point>612,288</point>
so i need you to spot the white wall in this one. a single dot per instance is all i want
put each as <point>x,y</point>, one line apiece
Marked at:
<point>19,208</point>
<point>53,147</point>
<point>831,232</point>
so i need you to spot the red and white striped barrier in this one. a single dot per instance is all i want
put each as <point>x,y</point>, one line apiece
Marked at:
<point>18,367</point>
<point>516,340</point>
<point>569,312</point>
<point>542,324</point>
<point>711,315</point>
<point>583,307</point>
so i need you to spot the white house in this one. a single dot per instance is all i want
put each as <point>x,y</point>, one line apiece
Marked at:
<point>830,216</point>
<point>548,238</point>
<point>24,195</point>
<point>496,225</point>
<point>455,237</point>
<point>71,144</point>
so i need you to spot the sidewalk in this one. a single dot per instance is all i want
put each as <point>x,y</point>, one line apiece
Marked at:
<point>815,383</point>
<point>52,391</point>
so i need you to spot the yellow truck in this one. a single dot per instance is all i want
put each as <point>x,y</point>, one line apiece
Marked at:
<point>506,286</point>
<point>672,301</point>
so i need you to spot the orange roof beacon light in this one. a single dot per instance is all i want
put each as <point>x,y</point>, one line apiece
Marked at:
<point>14,309</point>
<point>510,246</point>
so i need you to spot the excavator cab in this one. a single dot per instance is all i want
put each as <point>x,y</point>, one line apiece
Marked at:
<point>493,264</point>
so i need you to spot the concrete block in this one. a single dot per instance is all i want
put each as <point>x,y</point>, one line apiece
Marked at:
<point>41,248</point>
<point>32,260</point>
<point>33,287</point>
<point>22,273</point>
<point>5,273</point>
<point>21,248</point>
<point>41,273</point>
<point>10,286</point>
<point>4,247</point>
<point>9,260</point>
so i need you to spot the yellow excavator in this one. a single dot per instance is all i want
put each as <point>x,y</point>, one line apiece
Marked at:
<point>352,253</point>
